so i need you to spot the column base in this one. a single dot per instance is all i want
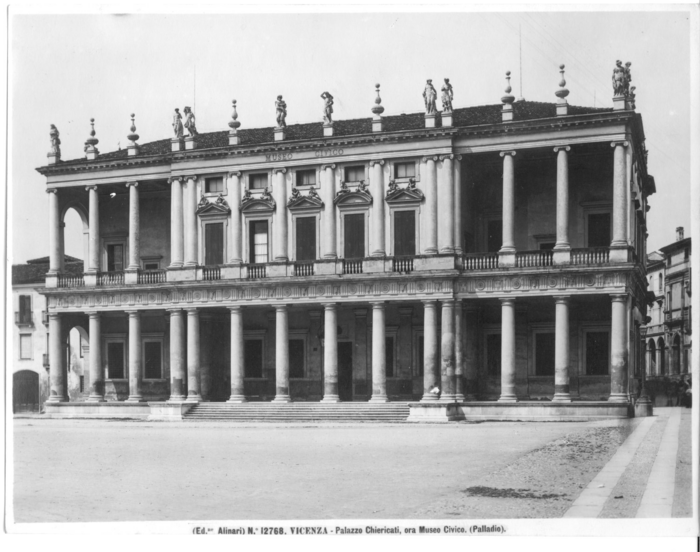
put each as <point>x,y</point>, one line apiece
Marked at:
<point>52,400</point>
<point>429,397</point>
<point>134,399</point>
<point>281,399</point>
<point>431,251</point>
<point>644,407</point>
<point>237,399</point>
<point>448,250</point>
<point>330,399</point>
<point>379,399</point>
<point>618,398</point>
<point>378,253</point>
<point>95,399</point>
<point>561,397</point>
<point>176,399</point>
<point>508,398</point>
<point>194,398</point>
<point>444,398</point>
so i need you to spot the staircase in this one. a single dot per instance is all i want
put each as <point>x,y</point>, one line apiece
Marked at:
<point>392,412</point>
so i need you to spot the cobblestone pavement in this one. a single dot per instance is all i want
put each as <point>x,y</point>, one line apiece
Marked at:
<point>90,470</point>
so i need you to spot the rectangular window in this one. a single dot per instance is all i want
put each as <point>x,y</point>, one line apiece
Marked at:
<point>258,181</point>
<point>152,360</point>
<point>599,230</point>
<point>404,170</point>
<point>404,233</point>
<point>389,345</point>
<point>544,354</point>
<point>253,358</point>
<point>25,309</point>
<point>354,235</point>
<point>115,257</point>
<point>296,358</point>
<point>115,359</point>
<point>151,266</point>
<point>354,174</point>
<point>494,237</point>
<point>258,241</point>
<point>306,178</point>
<point>597,353</point>
<point>306,239</point>
<point>214,185</point>
<point>214,244</point>
<point>25,346</point>
<point>493,354</point>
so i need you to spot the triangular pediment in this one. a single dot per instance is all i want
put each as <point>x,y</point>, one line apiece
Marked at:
<point>300,202</point>
<point>258,204</point>
<point>353,198</point>
<point>218,207</point>
<point>404,195</point>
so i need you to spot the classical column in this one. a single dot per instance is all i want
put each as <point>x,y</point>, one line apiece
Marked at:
<point>619,196</point>
<point>282,354</point>
<point>508,351</point>
<point>134,227</point>
<point>93,261</point>
<point>359,360</point>
<point>193,357</point>
<point>508,202</point>
<point>447,351</point>
<point>378,353</point>
<point>237,356</point>
<point>618,349</point>
<point>280,216</point>
<point>134,356</point>
<point>459,352</point>
<point>457,179</point>
<point>561,350</point>
<point>329,230</point>
<point>446,205</point>
<point>330,353</point>
<point>205,321</point>
<point>177,355</point>
<point>176,223</point>
<point>562,198</point>
<point>431,204</point>
<point>471,323</point>
<point>431,377</point>
<point>378,223</point>
<point>97,377</point>
<point>57,368</point>
<point>234,194</point>
<point>54,232</point>
<point>190,216</point>
<point>62,247</point>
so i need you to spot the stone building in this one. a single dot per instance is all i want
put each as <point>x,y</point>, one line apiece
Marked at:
<point>488,253</point>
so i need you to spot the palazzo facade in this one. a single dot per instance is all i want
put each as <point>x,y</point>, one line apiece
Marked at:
<point>486,253</point>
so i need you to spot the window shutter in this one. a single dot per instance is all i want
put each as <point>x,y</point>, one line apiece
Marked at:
<point>214,244</point>
<point>306,239</point>
<point>354,236</point>
<point>404,233</point>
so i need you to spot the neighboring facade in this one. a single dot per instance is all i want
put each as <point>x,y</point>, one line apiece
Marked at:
<point>30,362</point>
<point>495,252</point>
<point>669,331</point>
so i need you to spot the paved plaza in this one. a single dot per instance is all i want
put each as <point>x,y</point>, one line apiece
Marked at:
<point>98,470</point>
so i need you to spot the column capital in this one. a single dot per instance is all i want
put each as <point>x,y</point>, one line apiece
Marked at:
<point>235,173</point>
<point>281,308</point>
<point>429,302</point>
<point>328,166</point>
<point>191,176</point>
<point>174,311</point>
<point>561,148</point>
<point>52,191</point>
<point>507,301</point>
<point>279,170</point>
<point>235,308</point>
<point>510,152</point>
<point>93,314</point>
<point>448,301</point>
<point>134,184</point>
<point>618,297</point>
<point>377,304</point>
<point>427,158</point>
<point>174,179</point>
<point>458,157</point>
<point>562,299</point>
<point>623,143</point>
<point>329,306</point>
<point>191,310</point>
<point>91,188</point>
<point>374,162</point>
<point>133,313</point>
<point>450,156</point>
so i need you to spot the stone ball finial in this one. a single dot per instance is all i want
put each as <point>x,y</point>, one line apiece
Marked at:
<point>133,136</point>
<point>562,92</point>
<point>377,109</point>
<point>508,98</point>
<point>234,123</point>
<point>92,141</point>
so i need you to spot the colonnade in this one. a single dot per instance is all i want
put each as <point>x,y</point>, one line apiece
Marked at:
<point>449,360</point>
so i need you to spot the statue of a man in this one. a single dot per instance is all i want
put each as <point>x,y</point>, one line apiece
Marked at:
<point>55,141</point>
<point>429,95</point>
<point>447,95</point>
<point>628,78</point>
<point>190,122</point>
<point>281,108</point>
<point>618,79</point>
<point>327,108</point>
<point>177,124</point>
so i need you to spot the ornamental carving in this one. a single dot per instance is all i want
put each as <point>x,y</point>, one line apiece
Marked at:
<point>299,202</point>
<point>348,196</point>
<point>218,207</point>
<point>408,194</point>
<point>259,203</point>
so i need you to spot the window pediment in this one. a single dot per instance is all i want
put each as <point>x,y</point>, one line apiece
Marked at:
<point>346,197</point>
<point>309,202</point>
<point>258,203</point>
<point>402,196</point>
<point>208,208</point>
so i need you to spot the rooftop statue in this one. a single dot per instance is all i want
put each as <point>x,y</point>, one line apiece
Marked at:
<point>621,79</point>
<point>281,108</point>
<point>295,194</point>
<point>430,96</point>
<point>190,122</point>
<point>447,95</point>
<point>327,108</point>
<point>177,124</point>
<point>312,192</point>
<point>55,141</point>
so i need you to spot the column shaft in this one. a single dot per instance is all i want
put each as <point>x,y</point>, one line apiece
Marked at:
<point>54,233</point>
<point>446,201</point>
<point>93,264</point>
<point>234,192</point>
<point>508,202</point>
<point>471,381</point>
<point>134,356</point>
<point>237,356</point>
<point>431,203</point>
<point>508,351</point>
<point>57,368</point>
<point>177,355</point>
<point>561,351</point>
<point>457,181</point>
<point>330,353</point>
<point>205,355</point>
<point>618,349</point>
<point>378,353</point>
<point>378,221</point>
<point>459,352</point>
<point>329,226</point>
<point>562,198</point>
<point>447,351</point>
<point>431,376</point>
<point>282,354</point>
<point>619,196</point>
<point>134,227</point>
<point>190,216</point>
<point>193,356</point>
<point>97,378</point>
<point>176,224</point>
<point>281,233</point>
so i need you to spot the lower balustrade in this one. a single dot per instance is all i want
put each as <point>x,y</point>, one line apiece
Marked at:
<point>590,256</point>
<point>70,281</point>
<point>480,261</point>
<point>115,278</point>
<point>256,271</point>
<point>304,268</point>
<point>211,273</point>
<point>402,264</point>
<point>352,266</point>
<point>152,276</point>
<point>537,258</point>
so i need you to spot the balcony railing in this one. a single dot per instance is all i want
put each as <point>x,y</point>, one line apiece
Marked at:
<point>480,261</point>
<point>70,281</point>
<point>402,264</point>
<point>304,268</point>
<point>152,276</point>
<point>256,271</point>
<point>24,318</point>
<point>590,255</point>
<point>115,278</point>
<point>352,266</point>
<point>211,273</point>
<point>45,360</point>
<point>536,258</point>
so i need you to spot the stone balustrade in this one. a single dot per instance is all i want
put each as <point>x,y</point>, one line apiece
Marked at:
<point>115,278</point>
<point>590,256</point>
<point>152,276</point>
<point>304,268</point>
<point>536,258</point>
<point>480,261</point>
<point>70,281</point>
<point>352,266</point>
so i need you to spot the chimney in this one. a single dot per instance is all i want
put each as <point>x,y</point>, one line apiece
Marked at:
<point>679,233</point>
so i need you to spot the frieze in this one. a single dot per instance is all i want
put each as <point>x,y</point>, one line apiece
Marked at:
<point>543,282</point>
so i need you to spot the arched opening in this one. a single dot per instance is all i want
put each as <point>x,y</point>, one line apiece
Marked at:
<point>25,391</point>
<point>77,362</point>
<point>661,357</point>
<point>74,235</point>
<point>651,355</point>
<point>676,354</point>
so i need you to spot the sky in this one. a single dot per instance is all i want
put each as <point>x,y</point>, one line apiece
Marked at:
<point>66,69</point>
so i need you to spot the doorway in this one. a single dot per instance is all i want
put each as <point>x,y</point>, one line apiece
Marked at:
<point>345,370</point>
<point>25,391</point>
